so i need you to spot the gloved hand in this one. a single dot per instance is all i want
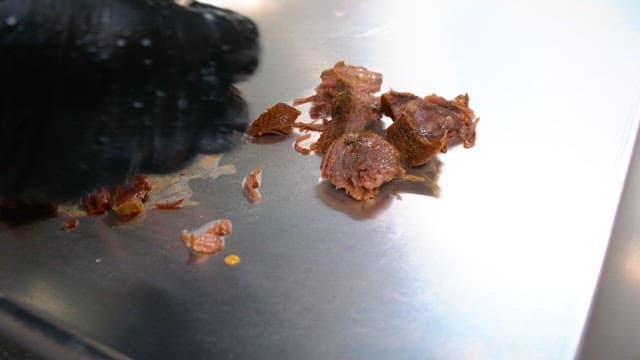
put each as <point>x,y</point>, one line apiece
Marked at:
<point>94,91</point>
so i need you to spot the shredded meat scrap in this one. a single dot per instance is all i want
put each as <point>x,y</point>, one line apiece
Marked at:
<point>209,238</point>
<point>251,186</point>
<point>276,120</point>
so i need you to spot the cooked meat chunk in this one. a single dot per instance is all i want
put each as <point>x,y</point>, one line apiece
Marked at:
<point>428,126</point>
<point>128,200</point>
<point>277,120</point>
<point>457,117</point>
<point>351,112</point>
<point>336,80</point>
<point>98,202</point>
<point>394,102</point>
<point>361,163</point>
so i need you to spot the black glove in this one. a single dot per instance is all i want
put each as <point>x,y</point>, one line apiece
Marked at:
<point>94,91</point>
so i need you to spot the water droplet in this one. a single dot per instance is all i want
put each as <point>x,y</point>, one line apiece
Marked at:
<point>208,16</point>
<point>137,105</point>
<point>160,93</point>
<point>146,42</point>
<point>11,20</point>
<point>121,42</point>
<point>147,62</point>
<point>183,103</point>
<point>225,47</point>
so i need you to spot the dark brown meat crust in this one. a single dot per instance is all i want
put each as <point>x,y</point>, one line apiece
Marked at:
<point>277,120</point>
<point>361,163</point>
<point>425,127</point>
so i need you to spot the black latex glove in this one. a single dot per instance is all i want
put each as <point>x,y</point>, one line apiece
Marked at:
<point>94,91</point>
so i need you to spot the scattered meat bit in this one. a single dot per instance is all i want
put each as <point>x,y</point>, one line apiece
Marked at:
<point>232,259</point>
<point>298,147</point>
<point>334,81</point>
<point>394,102</point>
<point>97,203</point>
<point>71,224</point>
<point>361,163</point>
<point>209,238</point>
<point>428,126</point>
<point>277,120</point>
<point>251,184</point>
<point>222,227</point>
<point>310,126</point>
<point>128,200</point>
<point>169,205</point>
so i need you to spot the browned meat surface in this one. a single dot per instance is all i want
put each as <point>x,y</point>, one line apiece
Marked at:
<point>394,102</point>
<point>351,112</point>
<point>336,80</point>
<point>425,127</point>
<point>459,119</point>
<point>277,120</point>
<point>98,202</point>
<point>361,163</point>
<point>128,200</point>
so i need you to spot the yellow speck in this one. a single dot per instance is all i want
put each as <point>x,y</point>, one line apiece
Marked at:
<point>232,260</point>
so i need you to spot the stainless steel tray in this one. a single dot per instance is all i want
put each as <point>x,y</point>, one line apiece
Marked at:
<point>502,265</point>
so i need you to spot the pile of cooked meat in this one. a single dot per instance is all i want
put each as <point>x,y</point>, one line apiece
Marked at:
<point>356,157</point>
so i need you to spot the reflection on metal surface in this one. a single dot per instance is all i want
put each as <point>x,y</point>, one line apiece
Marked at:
<point>632,263</point>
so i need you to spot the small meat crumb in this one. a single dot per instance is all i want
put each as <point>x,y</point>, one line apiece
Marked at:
<point>251,184</point>
<point>209,238</point>
<point>70,224</point>
<point>298,147</point>
<point>170,205</point>
<point>232,260</point>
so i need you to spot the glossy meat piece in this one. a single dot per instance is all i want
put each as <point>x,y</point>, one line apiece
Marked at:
<point>361,163</point>
<point>351,112</point>
<point>128,200</point>
<point>334,81</point>
<point>276,120</point>
<point>428,126</point>
<point>393,103</point>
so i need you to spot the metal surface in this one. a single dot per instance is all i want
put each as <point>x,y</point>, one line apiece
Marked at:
<point>502,265</point>
<point>614,322</point>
